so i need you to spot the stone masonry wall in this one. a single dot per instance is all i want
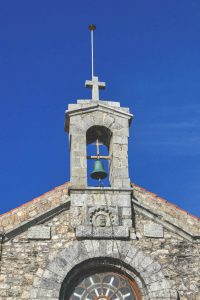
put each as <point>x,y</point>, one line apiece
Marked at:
<point>23,259</point>
<point>180,258</point>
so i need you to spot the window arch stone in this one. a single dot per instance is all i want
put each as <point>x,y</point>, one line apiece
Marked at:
<point>146,272</point>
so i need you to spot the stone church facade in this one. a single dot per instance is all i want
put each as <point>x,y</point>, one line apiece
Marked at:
<point>83,242</point>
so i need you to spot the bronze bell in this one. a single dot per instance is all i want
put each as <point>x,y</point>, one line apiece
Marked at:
<point>98,172</point>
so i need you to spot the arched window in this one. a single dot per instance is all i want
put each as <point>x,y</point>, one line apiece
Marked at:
<point>96,280</point>
<point>98,140</point>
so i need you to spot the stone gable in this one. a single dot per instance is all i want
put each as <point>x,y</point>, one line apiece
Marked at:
<point>60,195</point>
<point>40,263</point>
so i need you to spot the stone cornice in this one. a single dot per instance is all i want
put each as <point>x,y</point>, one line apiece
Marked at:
<point>94,107</point>
<point>99,190</point>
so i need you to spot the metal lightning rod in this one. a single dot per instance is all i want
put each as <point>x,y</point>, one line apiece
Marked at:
<point>92,27</point>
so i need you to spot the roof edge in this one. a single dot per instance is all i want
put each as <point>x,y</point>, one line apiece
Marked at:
<point>12,211</point>
<point>34,199</point>
<point>164,200</point>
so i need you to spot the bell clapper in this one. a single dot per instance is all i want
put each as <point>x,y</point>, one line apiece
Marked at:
<point>98,152</point>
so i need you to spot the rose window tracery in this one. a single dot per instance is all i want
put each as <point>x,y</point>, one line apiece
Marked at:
<point>104,286</point>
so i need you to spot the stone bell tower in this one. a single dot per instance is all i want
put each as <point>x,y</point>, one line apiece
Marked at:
<point>97,207</point>
<point>93,119</point>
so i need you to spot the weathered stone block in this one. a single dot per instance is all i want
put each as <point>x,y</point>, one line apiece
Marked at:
<point>132,234</point>
<point>102,232</point>
<point>39,232</point>
<point>153,230</point>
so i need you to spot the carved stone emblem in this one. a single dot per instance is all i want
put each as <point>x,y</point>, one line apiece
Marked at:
<point>101,217</point>
<point>101,220</point>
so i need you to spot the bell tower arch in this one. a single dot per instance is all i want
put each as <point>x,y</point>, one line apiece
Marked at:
<point>98,162</point>
<point>104,120</point>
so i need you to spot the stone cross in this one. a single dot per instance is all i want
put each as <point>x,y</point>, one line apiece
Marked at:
<point>95,85</point>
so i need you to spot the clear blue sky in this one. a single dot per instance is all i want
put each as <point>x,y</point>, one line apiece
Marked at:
<point>148,52</point>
